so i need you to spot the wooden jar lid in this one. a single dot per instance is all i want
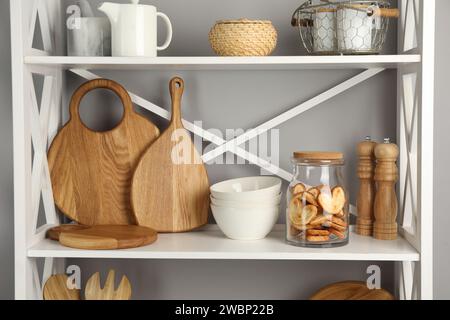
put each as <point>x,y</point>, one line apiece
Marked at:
<point>318,155</point>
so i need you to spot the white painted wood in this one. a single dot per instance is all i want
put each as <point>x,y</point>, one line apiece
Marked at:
<point>288,115</point>
<point>410,25</point>
<point>408,279</point>
<point>32,26</point>
<point>408,143</point>
<point>46,30</point>
<point>48,270</point>
<point>36,52</point>
<point>21,15</point>
<point>427,148</point>
<point>37,288</point>
<point>41,182</point>
<point>198,131</point>
<point>227,63</point>
<point>205,245</point>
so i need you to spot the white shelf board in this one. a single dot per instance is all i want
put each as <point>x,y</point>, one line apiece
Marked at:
<point>210,244</point>
<point>226,63</point>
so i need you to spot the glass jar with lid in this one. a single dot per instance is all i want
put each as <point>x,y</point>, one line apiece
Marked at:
<point>317,212</point>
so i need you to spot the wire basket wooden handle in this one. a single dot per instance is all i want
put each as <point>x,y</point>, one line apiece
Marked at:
<point>386,13</point>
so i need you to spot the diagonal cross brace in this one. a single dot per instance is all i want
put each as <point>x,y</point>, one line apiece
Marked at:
<point>275,122</point>
<point>244,154</point>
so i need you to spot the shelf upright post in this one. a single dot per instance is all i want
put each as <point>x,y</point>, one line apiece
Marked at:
<point>427,148</point>
<point>20,13</point>
<point>416,32</point>
<point>33,128</point>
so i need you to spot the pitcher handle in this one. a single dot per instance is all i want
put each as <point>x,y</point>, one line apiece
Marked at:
<point>169,31</point>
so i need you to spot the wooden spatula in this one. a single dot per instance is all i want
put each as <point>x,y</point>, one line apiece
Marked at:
<point>170,187</point>
<point>94,291</point>
<point>56,289</point>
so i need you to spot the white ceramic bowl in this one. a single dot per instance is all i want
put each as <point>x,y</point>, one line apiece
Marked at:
<point>246,224</point>
<point>263,203</point>
<point>250,188</point>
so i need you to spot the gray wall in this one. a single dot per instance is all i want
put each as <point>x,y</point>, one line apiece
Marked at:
<point>254,97</point>
<point>6,160</point>
<point>442,155</point>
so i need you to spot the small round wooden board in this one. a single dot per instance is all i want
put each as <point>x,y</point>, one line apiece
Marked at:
<point>351,290</point>
<point>55,288</point>
<point>54,232</point>
<point>108,237</point>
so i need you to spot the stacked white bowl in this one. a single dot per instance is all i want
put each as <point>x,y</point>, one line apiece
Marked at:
<point>246,208</point>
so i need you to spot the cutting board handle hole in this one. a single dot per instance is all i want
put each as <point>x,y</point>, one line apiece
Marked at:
<point>101,110</point>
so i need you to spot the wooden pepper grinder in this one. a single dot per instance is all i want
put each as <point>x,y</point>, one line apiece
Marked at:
<point>386,176</point>
<point>366,195</point>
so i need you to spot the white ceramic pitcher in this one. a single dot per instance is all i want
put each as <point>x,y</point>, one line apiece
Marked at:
<point>134,29</point>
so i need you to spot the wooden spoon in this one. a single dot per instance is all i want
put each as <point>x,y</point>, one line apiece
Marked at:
<point>94,291</point>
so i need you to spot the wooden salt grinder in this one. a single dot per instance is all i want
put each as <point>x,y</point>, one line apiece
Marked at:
<point>366,195</point>
<point>385,207</point>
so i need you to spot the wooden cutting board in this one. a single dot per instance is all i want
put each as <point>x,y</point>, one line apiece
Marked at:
<point>170,189</point>
<point>55,288</point>
<point>54,233</point>
<point>351,290</point>
<point>91,171</point>
<point>108,237</point>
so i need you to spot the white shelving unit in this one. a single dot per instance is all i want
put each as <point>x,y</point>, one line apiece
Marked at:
<point>209,243</point>
<point>227,63</point>
<point>36,125</point>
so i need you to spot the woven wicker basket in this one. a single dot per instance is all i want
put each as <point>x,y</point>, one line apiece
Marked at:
<point>243,38</point>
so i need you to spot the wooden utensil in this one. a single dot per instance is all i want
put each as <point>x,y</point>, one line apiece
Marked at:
<point>91,171</point>
<point>55,288</point>
<point>170,189</point>
<point>54,233</point>
<point>386,203</point>
<point>108,237</point>
<point>94,291</point>
<point>366,195</point>
<point>351,290</point>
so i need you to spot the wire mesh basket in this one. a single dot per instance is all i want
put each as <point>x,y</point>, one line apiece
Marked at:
<point>343,27</point>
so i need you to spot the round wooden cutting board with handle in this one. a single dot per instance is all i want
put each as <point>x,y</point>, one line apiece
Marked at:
<point>108,237</point>
<point>170,189</point>
<point>91,171</point>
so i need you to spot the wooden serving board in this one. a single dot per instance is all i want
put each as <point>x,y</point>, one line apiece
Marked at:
<point>351,290</point>
<point>108,237</point>
<point>170,189</point>
<point>91,171</point>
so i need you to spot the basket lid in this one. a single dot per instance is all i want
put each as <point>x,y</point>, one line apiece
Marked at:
<point>244,21</point>
<point>318,155</point>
